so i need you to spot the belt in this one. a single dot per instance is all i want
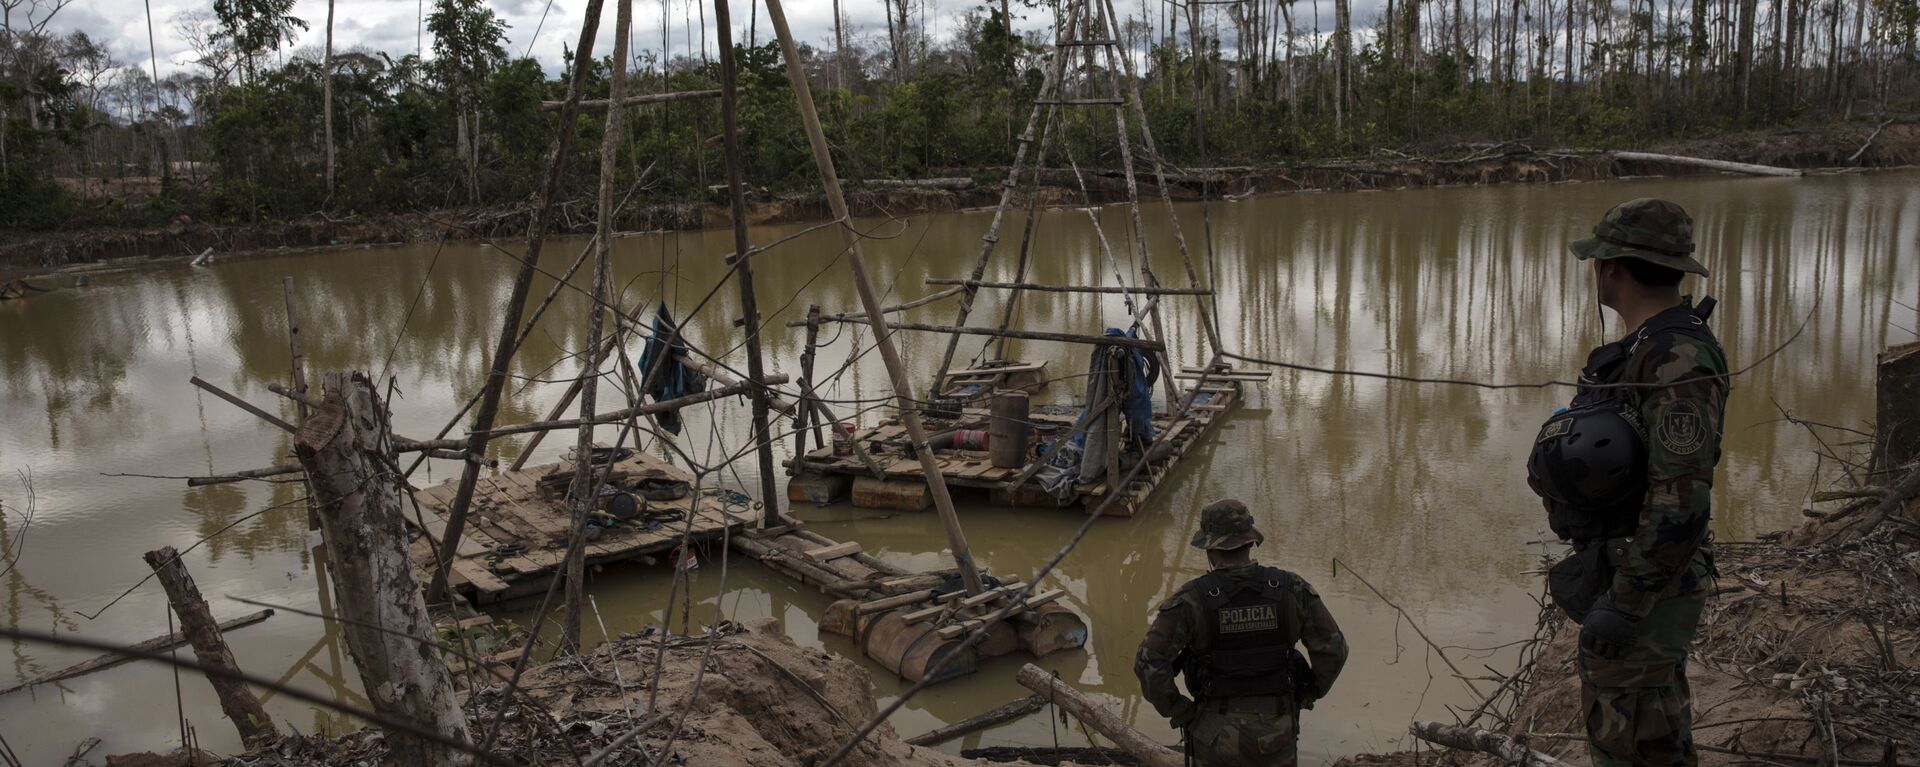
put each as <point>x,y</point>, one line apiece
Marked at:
<point>1258,704</point>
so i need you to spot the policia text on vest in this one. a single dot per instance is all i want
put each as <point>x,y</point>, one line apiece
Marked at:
<point>1233,635</point>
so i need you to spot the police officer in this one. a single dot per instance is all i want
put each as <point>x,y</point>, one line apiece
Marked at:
<point>1626,472</point>
<point>1232,633</point>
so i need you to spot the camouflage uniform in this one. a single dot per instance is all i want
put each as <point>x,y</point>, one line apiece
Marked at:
<point>1634,694</point>
<point>1250,731</point>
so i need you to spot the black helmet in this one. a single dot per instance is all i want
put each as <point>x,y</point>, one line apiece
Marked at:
<point>1591,459</point>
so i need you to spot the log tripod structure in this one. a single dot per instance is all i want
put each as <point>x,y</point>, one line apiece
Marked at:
<point>910,476</point>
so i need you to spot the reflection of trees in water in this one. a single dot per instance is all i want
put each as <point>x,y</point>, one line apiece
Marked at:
<point>283,527</point>
<point>23,598</point>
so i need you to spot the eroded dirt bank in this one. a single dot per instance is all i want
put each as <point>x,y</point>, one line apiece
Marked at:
<point>1896,144</point>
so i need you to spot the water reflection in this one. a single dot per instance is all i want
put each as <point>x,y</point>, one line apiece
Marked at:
<point>1418,487</point>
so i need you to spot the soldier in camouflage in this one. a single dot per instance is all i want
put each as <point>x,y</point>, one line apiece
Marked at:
<point>1667,380</point>
<point>1232,633</point>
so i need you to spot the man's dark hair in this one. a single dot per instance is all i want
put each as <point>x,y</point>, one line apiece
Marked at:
<point>1651,274</point>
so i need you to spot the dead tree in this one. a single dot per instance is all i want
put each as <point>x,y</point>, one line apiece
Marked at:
<point>203,632</point>
<point>348,454</point>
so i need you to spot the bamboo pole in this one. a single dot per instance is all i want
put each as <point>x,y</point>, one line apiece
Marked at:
<point>743,248</point>
<point>201,631</point>
<point>991,239</point>
<point>582,492</point>
<point>277,421</point>
<point>1074,288</point>
<point>1026,239</point>
<point>882,333</point>
<point>516,301</point>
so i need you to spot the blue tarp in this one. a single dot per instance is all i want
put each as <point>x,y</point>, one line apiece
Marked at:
<point>1142,373</point>
<point>674,379</point>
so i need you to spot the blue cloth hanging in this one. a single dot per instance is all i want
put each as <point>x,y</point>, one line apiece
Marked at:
<point>674,379</point>
<point>1142,373</point>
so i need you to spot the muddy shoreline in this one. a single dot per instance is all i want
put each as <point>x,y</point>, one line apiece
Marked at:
<point>1841,148</point>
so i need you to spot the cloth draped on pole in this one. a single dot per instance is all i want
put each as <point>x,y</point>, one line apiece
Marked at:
<point>674,379</point>
<point>1084,458</point>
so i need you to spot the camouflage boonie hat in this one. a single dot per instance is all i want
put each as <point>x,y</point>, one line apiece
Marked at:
<point>1226,524</point>
<point>1656,231</point>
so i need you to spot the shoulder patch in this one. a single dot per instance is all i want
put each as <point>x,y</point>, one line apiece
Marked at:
<point>1168,605</point>
<point>1682,428</point>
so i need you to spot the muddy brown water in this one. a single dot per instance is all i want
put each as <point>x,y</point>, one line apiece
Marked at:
<point>1419,487</point>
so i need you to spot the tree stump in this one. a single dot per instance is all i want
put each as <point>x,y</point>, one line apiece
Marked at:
<point>347,452</point>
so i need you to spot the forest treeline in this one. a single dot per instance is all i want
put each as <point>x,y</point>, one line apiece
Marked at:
<point>244,132</point>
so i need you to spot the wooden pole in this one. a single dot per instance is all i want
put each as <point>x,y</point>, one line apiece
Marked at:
<point>299,372</point>
<point>882,334</point>
<point>806,387</point>
<point>298,361</point>
<point>625,413</point>
<point>1160,177</point>
<point>632,101</point>
<point>161,643</point>
<point>234,400</point>
<point>200,629</point>
<point>991,239</point>
<point>1034,335</point>
<point>1074,288</point>
<point>894,309</point>
<point>1026,238</point>
<point>517,299</point>
<point>584,487</point>
<point>345,448</point>
<point>742,248</point>
<point>994,717</point>
<point>1724,166</point>
<point>1099,717</point>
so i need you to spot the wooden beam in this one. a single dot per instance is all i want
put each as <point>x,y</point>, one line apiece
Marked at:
<point>161,643</point>
<point>1724,166</point>
<point>894,602</point>
<point>263,415</point>
<point>903,390</point>
<point>894,309</point>
<point>994,717</point>
<point>826,554</point>
<point>975,624</point>
<point>1155,291</point>
<point>1031,335</point>
<point>634,101</point>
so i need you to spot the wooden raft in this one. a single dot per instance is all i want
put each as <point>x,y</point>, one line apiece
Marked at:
<point>529,525</point>
<point>913,624</point>
<point>821,476</point>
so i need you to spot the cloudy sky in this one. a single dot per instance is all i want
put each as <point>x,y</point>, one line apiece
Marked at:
<point>392,25</point>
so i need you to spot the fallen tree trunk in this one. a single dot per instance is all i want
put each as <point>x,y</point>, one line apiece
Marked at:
<point>160,643</point>
<point>1100,718</point>
<point>1475,739</point>
<point>1724,166</point>
<point>1002,714</point>
<point>198,626</point>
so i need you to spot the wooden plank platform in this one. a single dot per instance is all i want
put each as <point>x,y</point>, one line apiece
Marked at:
<point>978,384</point>
<point>965,469</point>
<point>517,531</point>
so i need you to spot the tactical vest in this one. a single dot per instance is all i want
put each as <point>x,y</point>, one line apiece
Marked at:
<point>1608,365</point>
<point>1245,640</point>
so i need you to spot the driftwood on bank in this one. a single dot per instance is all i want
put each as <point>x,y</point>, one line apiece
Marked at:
<point>343,446</point>
<point>201,631</point>
<point>1475,739</point>
<point>1724,166</point>
<point>998,715</point>
<point>1100,718</point>
<point>160,643</point>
